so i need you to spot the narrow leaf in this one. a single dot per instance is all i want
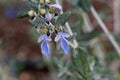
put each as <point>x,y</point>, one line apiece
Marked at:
<point>71,38</point>
<point>89,36</point>
<point>36,21</point>
<point>31,5</point>
<point>85,5</point>
<point>63,18</point>
<point>23,14</point>
<point>81,63</point>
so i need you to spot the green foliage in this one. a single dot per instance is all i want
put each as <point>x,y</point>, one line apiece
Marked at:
<point>63,18</point>
<point>23,14</point>
<point>89,36</point>
<point>36,21</point>
<point>112,55</point>
<point>72,37</point>
<point>85,5</point>
<point>74,78</point>
<point>81,63</point>
<point>33,33</point>
<point>53,21</point>
<point>77,25</point>
<point>79,68</point>
<point>32,4</point>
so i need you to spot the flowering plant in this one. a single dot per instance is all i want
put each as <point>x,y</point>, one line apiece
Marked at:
<point>46,12</point>
<point>51,23</point>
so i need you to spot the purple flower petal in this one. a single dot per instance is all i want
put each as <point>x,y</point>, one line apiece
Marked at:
<point>45,48</point>
<point>48,17</point>
<point>61,34</point>
<point>57,37</point>
<point>57,7</point>
<point>45,37</point>
<point>41,38</point>
<point>48,38</point>
<point>64,45</point>
<point>65,34</point>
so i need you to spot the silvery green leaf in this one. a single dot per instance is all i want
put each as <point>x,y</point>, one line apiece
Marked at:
<point>62,19</point>
<point>73,2</point>
<point>81,63</point>
<point>71,38</point>
<point>53,21</point>
<point>31,5</point>
<point>23,14</point>
<point>33,33</point>
<point>89,36</point>
<point>85,5</point>
<point>35,1</point>
<point>37,21</point>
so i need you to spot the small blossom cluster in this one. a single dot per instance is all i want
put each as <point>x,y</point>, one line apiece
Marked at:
<point>60,36</point>
<point>47,11</point>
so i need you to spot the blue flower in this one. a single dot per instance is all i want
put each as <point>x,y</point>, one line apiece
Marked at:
<point>48,17</point>
<point>57,7</point>
<point>63,42</point>
<point>44,45</point>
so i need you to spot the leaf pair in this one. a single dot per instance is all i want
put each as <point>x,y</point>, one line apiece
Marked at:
<point>60,20</point>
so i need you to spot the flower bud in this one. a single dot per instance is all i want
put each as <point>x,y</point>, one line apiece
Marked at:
<point>31,13</point>
<point>42,11</point>
<point>48,1</point>
<point>48,17</point>
<point>44,30</point>
<point>42,1</point>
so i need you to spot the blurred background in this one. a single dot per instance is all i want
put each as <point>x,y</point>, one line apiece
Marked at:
<point>20,55</point>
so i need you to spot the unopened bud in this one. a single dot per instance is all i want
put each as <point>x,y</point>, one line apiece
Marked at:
<point>48,1</point>
<point>31,13</point>
<point>45,30</point>
<point>42,11</point>
<point>42,1</point>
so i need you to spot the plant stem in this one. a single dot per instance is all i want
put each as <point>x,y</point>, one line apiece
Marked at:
<point>104,27</point>
<point>95,43</point>
<point>74,44</point>
<point>116,15</point>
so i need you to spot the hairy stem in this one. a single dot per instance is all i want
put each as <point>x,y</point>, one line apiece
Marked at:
<point>74,44</point>
<point>104,28</point>
<point>116,15</point>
